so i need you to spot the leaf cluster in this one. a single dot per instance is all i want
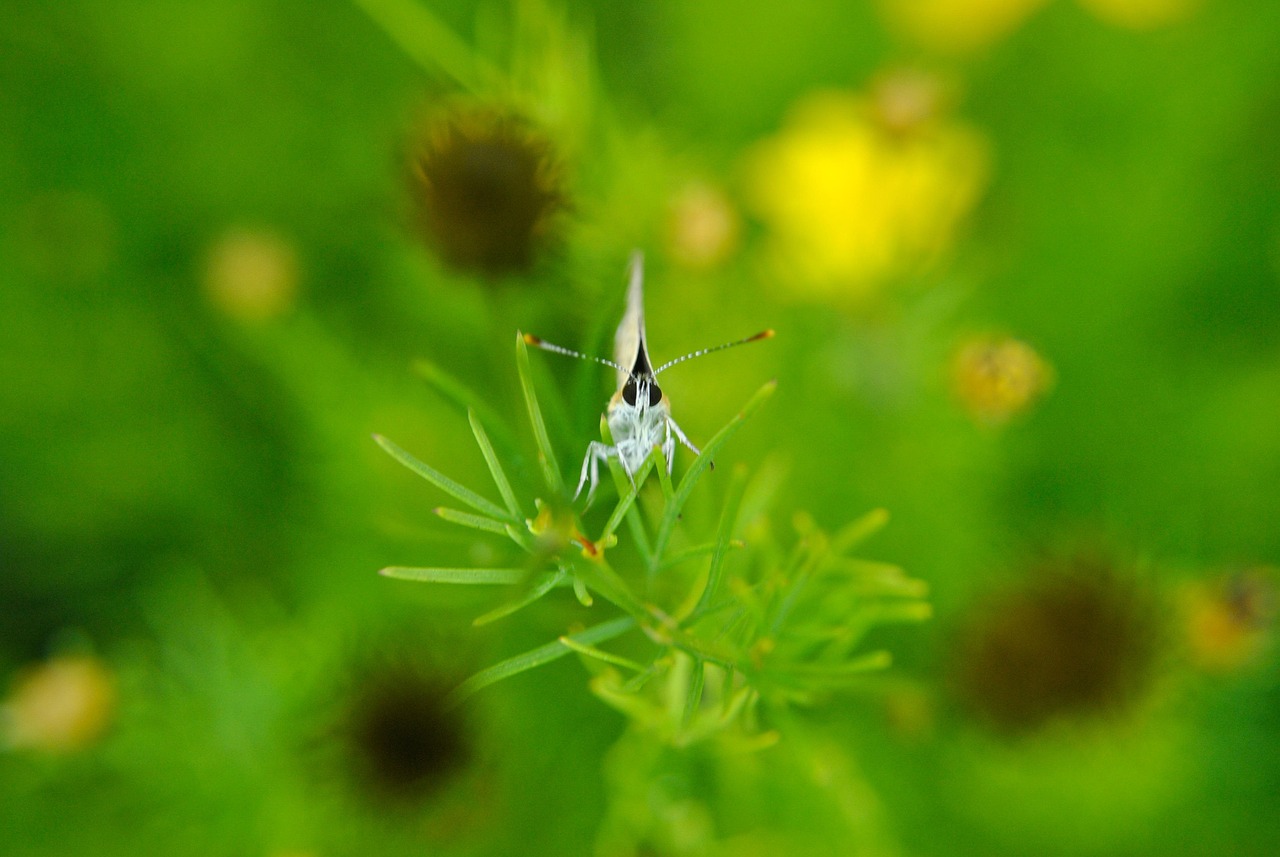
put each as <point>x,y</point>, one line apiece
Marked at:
<point>735,622</point>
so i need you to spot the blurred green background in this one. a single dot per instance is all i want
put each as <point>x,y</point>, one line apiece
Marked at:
<point>1023,259</point>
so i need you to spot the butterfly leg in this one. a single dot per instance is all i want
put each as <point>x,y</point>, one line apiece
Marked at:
<point>596,452</point>
<point>671,424</point>
<point>626,455</point>
<point>669,449</point>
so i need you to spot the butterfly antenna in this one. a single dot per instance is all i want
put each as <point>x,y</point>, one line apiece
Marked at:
<point>537,342</point>
<point>764,334</point>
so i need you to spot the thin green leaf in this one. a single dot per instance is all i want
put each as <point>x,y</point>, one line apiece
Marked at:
<point>625,503</point>
<point>521,536</point>
<point>431,44</point>
<point>444,483</point>
<point>869,662</point>
<point>702,650</point>
<point>702,463</point>
<point>694,700</point>
<point>627,492</point>
<point>605,582</point>
<point>456,575</point>
<point>544,585</point>
<point>728,519</point>
<point>641,538</point>
<point>465,399</point>
<point>602,655</point>
<point>766,480</point>
<point>466,519</point>
<point>495,466</point>
<point>664,476</point>
<point>807,557</point>
<point>681,556</point>
<point>580,592</point>
<point>635,683</point>
<point>538,657</point>
<point>856,531</point>
<point>880,578</point>
<point>730,674</point>
<point>546,455</point>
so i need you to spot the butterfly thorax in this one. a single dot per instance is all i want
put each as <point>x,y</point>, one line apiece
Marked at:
<point>638,415</point>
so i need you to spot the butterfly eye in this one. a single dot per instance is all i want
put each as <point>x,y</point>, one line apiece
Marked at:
<point>655,395</point>
<point>629,392</point>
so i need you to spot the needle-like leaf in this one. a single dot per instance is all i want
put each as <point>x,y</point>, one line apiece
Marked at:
<point>477,522</point>
<point>694,700</point>
<point>728,518</point>
<point>544,585</point>
<point>702,463</point>
<point>456,575</point>
<point>602,655</point>
<point>546,455</point>
<point>444,483</point>
<point>495,466</point>
<point>537,657</point>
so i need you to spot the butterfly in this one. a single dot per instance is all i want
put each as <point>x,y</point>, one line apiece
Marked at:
<point>639,414</point>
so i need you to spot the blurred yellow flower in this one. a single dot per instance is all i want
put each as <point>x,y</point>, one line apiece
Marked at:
<point>959,26</point>
<point>850,199</point>
<point>703,228</point>
<point>1229,622</point>
<point>1141,14</point>
<point>59,706</point>
<point>251,275</point>
<point>997,378</point>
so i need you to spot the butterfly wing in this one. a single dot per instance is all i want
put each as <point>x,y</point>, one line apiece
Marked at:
<point>629,346</point>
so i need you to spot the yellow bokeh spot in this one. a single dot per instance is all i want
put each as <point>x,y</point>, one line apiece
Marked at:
<point>59,706</point>
<point>997,378</point>
<point>850,201</point>
<point>1230,622</point>
<point>703,228</point>
<point>251,275</point>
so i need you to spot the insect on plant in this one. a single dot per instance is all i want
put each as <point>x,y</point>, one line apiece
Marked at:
<point>639,414</point>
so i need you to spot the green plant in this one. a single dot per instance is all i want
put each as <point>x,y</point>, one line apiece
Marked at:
<point>731,624</point>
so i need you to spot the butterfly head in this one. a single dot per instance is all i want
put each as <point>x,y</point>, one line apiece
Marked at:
<point>640,389</point>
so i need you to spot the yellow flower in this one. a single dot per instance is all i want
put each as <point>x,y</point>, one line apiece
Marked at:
<point>252,275</point>
<point>59,706</point>
<point>702,227</point>
<point>851,200</point>
<point>1229,622</point>
<point>997,378</point>
<point>960,26</point>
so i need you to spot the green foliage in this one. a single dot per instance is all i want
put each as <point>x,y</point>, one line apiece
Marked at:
<point>773,623</point>
<point>190,509</point>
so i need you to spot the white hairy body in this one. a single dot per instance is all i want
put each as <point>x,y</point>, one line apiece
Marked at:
<point>636,430</point>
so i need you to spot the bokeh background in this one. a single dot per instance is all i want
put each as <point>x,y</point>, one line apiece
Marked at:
<point>1023,259</point>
